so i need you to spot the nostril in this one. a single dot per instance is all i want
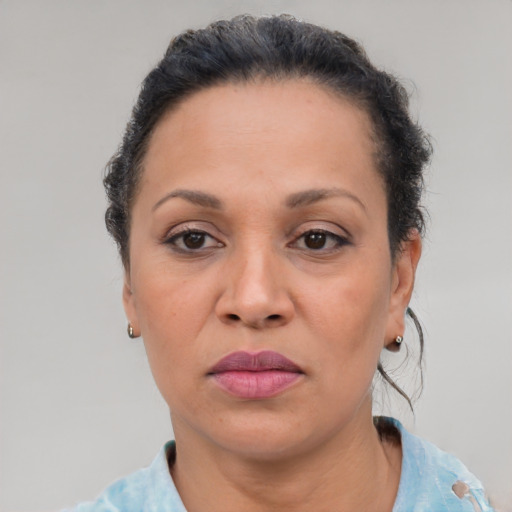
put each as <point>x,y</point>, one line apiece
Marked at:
<point>234,317</point>
<point>274,317</point>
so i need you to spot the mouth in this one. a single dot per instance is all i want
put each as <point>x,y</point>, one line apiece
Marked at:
<point>255,376</point>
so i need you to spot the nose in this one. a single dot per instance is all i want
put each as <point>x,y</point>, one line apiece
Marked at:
<point>255,293</point>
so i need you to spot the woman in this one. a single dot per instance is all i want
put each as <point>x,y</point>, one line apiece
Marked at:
<point>266,205</point>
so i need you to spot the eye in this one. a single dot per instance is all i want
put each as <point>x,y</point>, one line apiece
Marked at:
<point>319,239</point>
<point>192,241</point>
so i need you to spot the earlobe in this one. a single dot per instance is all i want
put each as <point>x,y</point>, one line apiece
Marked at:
<point>402,285</point>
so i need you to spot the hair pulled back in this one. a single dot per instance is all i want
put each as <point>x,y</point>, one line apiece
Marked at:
<point>246,49</point>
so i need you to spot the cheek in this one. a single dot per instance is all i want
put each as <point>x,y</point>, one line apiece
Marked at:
<point>168,303</point>
<point>350,315</point>
<point>171,312</point>
<point>357,302</point>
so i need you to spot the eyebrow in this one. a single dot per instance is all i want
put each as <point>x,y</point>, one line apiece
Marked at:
<point>296,200</point>
<point>193,196</point>
<point>308,197</point>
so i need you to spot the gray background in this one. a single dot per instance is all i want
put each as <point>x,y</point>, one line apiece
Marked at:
<point>78,405</point>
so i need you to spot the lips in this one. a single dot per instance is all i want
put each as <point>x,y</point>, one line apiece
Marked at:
<point>255,376</point>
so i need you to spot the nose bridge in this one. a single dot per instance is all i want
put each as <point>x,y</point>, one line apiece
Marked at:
<point>255,291</point>
<point>254,270</point>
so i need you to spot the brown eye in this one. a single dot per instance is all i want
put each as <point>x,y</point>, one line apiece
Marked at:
<point>194,240</point>
<point>190,241</point>
<point>315,240</point>
<point>319,240</point>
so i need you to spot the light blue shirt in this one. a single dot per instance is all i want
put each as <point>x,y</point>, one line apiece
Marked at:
<point>431,481</point>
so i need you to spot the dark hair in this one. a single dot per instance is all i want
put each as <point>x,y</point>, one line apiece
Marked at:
<point>246,49</point>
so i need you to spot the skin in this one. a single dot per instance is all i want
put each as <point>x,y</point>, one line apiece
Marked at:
<point>256,284</point>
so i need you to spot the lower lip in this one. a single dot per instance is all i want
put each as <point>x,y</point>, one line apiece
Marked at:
<point>254,385</point>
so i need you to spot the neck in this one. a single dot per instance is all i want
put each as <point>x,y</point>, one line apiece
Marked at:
<point>353,470</point>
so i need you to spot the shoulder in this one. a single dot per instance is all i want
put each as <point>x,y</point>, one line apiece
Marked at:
<point>150,489</point>
<point>433,480</point>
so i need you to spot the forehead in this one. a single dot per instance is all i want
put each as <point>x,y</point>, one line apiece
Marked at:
<point>262,108</point>
<point>286,131</point>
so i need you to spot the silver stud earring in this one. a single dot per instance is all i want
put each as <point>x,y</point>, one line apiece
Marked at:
<point>395,345</point>
<point>131,332</point>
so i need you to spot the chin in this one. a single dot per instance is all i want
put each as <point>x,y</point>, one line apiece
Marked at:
<point>264,437</point>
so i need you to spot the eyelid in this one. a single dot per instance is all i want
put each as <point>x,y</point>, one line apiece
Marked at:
<point>174,234</point>
<point>190,226</point>
<point>329,234</point>
<point>334,232</point>
<point>321,226</point>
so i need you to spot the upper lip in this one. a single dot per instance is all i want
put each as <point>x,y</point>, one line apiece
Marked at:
<point>255,362</point>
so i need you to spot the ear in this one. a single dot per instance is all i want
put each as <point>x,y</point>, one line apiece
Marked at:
<point>129,304</point>
<point>402,284</point>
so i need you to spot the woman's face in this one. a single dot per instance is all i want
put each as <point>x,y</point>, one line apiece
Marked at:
<point>260,272</point>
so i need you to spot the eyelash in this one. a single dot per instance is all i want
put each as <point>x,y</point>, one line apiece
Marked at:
<point>173,239</point>
<point>338,240</point>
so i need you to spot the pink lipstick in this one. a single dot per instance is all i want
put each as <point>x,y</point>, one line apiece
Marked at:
<point>255,376</point>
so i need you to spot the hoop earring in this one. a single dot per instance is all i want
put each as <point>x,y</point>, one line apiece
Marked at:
<point>131,332</point>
